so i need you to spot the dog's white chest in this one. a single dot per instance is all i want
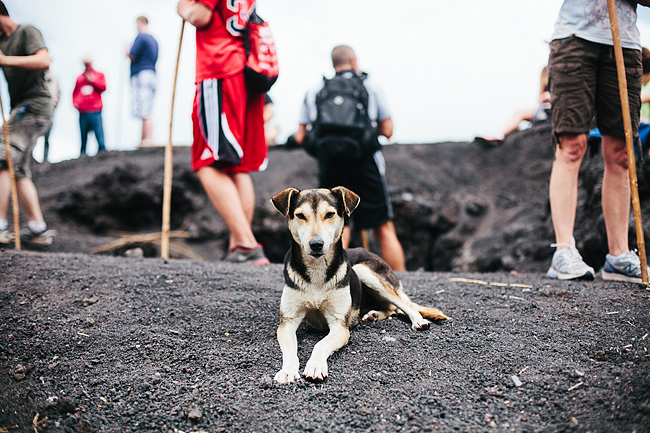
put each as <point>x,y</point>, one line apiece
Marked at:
<point>316,305</point>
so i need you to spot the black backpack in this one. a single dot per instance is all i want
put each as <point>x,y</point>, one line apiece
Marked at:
<point>343,131</point>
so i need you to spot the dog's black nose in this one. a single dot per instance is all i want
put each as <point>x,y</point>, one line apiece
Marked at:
<point>316,245</point>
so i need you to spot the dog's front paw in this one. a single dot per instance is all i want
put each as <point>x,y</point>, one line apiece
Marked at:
<point>315,370</point>
<point>422,325</point>
<point>286,376</point>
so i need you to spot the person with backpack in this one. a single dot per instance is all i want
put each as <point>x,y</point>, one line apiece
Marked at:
<point>340,123</point>
<point>228,120</point>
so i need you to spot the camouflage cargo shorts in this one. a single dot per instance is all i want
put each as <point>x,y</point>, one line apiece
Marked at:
<point>24,129</point>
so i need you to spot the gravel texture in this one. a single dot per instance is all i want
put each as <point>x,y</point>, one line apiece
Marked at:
<point>111,344</point>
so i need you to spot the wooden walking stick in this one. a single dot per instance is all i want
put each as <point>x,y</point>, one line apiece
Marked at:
<point>629,139</point>
<point>169,166</point>
<point>12,179</point>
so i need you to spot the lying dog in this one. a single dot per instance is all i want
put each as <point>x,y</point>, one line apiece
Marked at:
<point>328,286</point>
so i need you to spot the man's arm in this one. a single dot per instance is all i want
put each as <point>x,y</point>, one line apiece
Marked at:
<point>39,60</point>
<point>98,80</point>
<point>299,135</point>
<point>385,127</point>
<point>197,14</point>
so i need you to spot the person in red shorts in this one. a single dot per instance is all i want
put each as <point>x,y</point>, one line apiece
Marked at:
<point>228,120</point>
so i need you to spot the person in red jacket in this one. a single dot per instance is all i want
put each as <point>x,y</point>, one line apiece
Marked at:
<point>228,120</point>
<point>87,98</point>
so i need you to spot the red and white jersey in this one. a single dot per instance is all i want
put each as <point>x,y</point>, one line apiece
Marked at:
<point>220,44</point>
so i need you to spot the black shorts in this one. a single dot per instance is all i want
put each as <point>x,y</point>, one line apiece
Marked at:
<point>584,83</point>
<point>367,179</point>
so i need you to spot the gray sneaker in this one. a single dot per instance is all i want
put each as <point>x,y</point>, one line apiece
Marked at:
<point>41,239</point>
<point>567,264</point>
<point>255,256</point>
<point>626,267</point>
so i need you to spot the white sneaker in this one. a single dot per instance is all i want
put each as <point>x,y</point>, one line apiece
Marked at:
<point>6,237</point>
<point>626,267</point>
<point>567,264</point>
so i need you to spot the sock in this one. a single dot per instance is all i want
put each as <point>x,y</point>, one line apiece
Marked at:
<point>36,227</point>
<point>4,224</point>
<point>616,258</point>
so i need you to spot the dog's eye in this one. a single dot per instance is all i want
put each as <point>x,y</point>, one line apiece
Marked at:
<point>301,217</point>
<point>329,215</point>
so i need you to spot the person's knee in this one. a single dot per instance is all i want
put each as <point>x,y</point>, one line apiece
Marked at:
<point>572,148</point>
<point>615,153</point>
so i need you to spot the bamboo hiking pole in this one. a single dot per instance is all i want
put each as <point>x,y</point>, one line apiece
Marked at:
<point>12,180</point>
<point>169,166</point>
<point>629,140</point>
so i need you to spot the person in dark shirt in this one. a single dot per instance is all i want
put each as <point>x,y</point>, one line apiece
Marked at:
<point>143,54</point>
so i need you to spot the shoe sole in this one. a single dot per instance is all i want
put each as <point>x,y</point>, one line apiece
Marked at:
<point>260,261</point>
<point>43,242</point>
<point>588,276</point>
<point>610,276</point>
<point>37,246</point>
<point>263,261</point>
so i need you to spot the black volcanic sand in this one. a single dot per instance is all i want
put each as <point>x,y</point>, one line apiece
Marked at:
<point>110,344</point>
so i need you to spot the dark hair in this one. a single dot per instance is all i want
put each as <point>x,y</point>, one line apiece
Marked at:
<point>3,9</point>
<point>645,60</point>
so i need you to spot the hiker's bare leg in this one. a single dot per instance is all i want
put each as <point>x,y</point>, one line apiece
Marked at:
<point>246,190</point>
<point>28,197</point>
<point>616,194</point>
<point>147,132</point>
<point>5,193</point>
<point>563,187</point>
<point>391,249</point>
<point>224,195</point>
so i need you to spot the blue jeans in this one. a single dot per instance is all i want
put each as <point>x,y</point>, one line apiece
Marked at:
<point>91,122</point>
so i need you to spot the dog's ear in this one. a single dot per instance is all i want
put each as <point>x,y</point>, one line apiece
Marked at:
<point>282,200</point>
<point>350,199</point>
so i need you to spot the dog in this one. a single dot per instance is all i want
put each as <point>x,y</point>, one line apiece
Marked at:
<point>328,286</point>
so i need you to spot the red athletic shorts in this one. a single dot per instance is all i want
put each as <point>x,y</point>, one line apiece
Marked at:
<point>228,127</point>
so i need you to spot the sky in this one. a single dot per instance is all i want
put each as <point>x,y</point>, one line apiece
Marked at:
<point>449,70</point>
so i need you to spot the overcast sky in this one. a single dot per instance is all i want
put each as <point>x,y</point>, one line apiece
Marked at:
<point>449,70</point>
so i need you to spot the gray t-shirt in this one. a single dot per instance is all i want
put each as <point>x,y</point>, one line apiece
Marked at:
<point>589,19</point>
<point>26,86</point>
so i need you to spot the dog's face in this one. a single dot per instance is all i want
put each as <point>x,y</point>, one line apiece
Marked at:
<point>316,216</point>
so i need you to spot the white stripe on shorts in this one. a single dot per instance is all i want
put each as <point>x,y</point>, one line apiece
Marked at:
<point>215,119</point>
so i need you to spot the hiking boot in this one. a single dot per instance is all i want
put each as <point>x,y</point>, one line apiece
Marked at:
<point>247,255</point>
<point>6,237</point>
<point>567,264</point>
<point>626,267</point>
<point>38,239</point>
